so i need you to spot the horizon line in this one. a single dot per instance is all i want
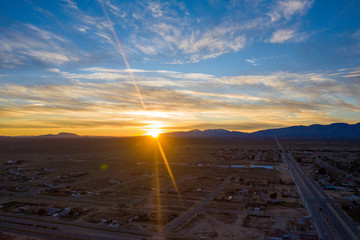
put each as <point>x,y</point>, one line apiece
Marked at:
<point>167,132</point>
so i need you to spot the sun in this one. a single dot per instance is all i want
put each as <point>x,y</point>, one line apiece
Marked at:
<point>154,128</point>
<point>154,132</point>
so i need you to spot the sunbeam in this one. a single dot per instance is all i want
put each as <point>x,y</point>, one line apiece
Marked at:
<point>158,197</point>
<point>121,50</point>
<point>167,165</point>
<point>154,131</point>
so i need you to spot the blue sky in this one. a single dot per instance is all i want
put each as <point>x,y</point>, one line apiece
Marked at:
<point>240,65</point>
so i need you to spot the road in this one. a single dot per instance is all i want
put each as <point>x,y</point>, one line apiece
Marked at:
<point>56,229</point>
<point>331,222</point>
<point>191,212</point>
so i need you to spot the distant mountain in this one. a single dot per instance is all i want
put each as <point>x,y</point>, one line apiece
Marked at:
<point>335,130</point>
<point>60,135</point>
<point>207,133</point>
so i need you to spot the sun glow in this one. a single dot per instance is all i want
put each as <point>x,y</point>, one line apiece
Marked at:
<point>154,128</point>
<point>154,132</point>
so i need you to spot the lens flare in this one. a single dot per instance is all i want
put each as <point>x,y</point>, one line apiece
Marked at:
<point>158,197</point>
<point>153,131</point>
<point>167,165</point>
<point>122,53</point>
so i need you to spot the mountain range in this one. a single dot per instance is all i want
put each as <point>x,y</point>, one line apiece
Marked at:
<point>332,131</point>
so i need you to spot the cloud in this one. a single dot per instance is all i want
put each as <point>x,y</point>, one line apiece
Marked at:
<point>71,4</point>
<point>55,70</point>
<point>194,46</point>
<point>352,74</point>
<point>186,99</point>
<point>50,57</point>
<point>30,43</point>
<point>282,35</point>
<point>252,61</point>
<point>289,8</point>
<point>155,8</point>
<point>165,32</point>
<point>88,24</point>
<point>245,126</point>
<point>162,30</point>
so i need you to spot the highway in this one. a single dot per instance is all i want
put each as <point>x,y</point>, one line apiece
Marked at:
<point>331,222</point>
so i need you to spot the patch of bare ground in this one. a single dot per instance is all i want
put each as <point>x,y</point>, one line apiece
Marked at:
<point>217,226</point>
<point>287,211</point>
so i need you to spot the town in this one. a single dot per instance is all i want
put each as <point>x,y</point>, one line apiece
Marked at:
<point>233,189</point>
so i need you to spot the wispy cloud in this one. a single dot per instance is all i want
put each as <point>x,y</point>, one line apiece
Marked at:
<point>164,32</point>
<point>71,4</point>
<point>194,99</point>
<point>289,8</point>
<point>193,45</point>
<point>32,43</point>
<point>282,35</point>
<point>155,29</point>
<point>252,61</point>
<point>93,26</point>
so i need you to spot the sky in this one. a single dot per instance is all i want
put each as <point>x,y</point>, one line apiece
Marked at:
<point>124,68</point>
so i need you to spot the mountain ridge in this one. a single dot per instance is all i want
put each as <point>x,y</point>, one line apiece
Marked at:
<point>334,130</point>
<point>330,131</point>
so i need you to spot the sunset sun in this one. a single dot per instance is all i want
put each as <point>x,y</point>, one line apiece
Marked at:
<point>154,132</point>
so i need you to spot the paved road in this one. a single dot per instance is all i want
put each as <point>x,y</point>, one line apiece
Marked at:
<point>52,229</point>
<point>331,222</point>
<point>191,212</point>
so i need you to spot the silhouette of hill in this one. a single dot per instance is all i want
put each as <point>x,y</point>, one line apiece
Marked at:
<point>206,133</point>
<point>335,130</point>
<point>59,135</point>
